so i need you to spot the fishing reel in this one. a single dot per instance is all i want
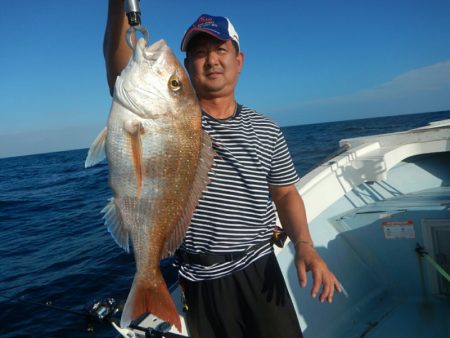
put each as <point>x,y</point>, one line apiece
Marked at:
<point>102,310</point>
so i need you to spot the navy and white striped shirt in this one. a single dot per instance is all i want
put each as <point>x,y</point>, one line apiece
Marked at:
<point>236,211</point>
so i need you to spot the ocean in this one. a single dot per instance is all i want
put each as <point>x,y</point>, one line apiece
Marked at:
<point>57,256</point>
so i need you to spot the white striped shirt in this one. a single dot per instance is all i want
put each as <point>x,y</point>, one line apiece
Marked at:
<point>236,211</point>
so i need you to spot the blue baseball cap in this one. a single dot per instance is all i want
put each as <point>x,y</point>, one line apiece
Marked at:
<point>218,26</point>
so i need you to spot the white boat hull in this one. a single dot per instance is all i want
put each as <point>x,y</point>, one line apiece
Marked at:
<point>368,208</point>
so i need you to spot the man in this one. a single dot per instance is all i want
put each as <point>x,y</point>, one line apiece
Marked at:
<point>232,282</point>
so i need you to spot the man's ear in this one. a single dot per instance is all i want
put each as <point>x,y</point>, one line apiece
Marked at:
<point>240,58</point>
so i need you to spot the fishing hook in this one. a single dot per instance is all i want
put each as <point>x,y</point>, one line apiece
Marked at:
<point>133,30</point>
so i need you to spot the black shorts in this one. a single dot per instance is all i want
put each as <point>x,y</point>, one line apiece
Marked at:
<point>253,302</point>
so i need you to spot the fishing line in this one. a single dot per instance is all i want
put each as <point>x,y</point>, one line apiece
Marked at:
<point>99,311</point>
<point>47,305</point>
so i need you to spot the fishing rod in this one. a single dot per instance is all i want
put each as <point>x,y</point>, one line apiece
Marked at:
<point>102,310</point>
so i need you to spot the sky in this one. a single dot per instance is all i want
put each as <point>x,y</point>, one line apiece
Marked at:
<point>305,62</point>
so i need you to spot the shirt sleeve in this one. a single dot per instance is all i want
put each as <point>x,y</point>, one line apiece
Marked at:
<point>282,170</point>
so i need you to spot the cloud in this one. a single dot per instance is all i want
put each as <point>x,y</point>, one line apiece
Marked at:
<point>420,81</point>
<point>424,89</point>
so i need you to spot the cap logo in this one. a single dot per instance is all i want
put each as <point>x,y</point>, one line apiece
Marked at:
<point>205,22</point>
<point>202,20</point>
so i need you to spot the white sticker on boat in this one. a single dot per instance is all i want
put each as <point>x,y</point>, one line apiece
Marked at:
<point>399,229</point>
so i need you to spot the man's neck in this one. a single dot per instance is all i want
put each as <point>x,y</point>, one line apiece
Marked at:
<point>219,108</point>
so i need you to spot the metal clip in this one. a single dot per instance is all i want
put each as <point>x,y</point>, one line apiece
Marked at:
<point>279,237</point>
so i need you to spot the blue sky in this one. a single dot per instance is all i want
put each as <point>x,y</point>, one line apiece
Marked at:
<point>305,62</point>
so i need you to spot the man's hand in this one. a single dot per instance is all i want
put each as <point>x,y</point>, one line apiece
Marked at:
<point>307,259</point>
<point>291,211</point>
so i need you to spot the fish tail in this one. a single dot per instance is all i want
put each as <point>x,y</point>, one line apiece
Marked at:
<point>151,297</point>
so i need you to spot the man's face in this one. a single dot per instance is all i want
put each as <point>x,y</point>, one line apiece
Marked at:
<point>213,66</point>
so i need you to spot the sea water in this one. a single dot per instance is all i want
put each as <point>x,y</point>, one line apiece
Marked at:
<point>56,252</point>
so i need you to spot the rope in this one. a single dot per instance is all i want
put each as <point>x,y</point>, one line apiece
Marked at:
<point>439,268</point>
<point>422,253</point>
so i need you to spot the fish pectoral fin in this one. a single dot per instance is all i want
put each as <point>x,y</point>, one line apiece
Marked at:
<point>97,152</point>
<point>153,297</point>
<point>200,182</point>
<point>115,225</point>
<point>134,130</point>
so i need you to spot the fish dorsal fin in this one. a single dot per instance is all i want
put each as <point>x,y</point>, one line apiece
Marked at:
<point>200,182</point>
<point>115,225</point>
<point>97,152</point>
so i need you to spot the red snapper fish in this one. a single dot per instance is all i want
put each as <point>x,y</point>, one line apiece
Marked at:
<point>158,158</point>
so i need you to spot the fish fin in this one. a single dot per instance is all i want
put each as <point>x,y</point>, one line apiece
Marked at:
<point>200,182</point>
<point>153,298</point>
<point>136,153</point>
<point>97,152</point>
<point>115,225</point>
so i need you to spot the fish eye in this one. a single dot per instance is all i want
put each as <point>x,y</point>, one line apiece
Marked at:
<point>174,83</point>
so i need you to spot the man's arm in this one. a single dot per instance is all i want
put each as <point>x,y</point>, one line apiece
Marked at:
<point>115,49</point>
<point>291,211</point>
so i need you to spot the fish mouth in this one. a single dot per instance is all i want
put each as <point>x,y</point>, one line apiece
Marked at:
<point>150,53</point>
<point>158,46</point>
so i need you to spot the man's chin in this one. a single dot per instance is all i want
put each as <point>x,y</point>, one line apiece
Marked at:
<point>213,88</point>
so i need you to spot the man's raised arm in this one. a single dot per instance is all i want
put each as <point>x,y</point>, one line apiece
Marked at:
<point>115,48</point>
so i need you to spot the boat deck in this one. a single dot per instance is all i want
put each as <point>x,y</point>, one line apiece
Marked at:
<point>412,319</point>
